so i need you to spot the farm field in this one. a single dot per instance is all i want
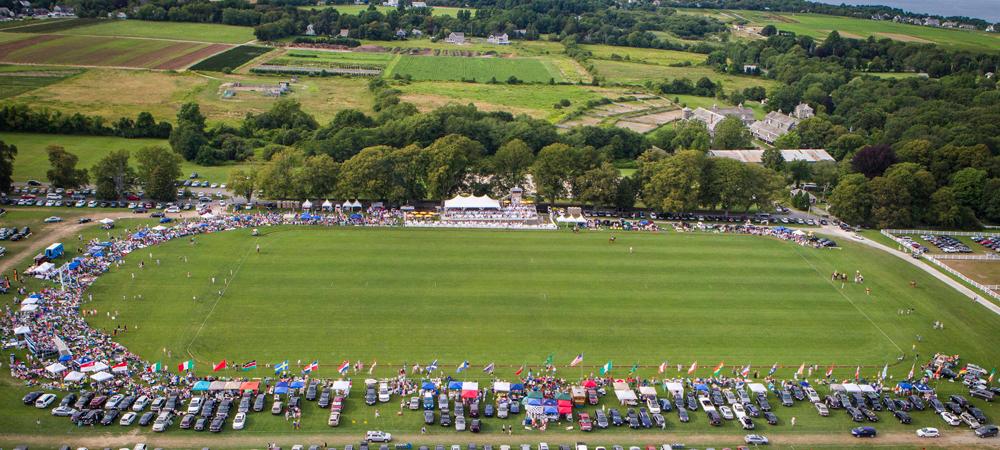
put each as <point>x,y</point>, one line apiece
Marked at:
<point>636,73</point>
<point>355,9</point>
<point>455,68</point>
<point>231,59</point>
<point>55,49</point>
<point>32,160</point>
<point>97,91</point>
<point>180,31</point>
<point>819,26</point>
<point>645,55</point>
<point>534,100</point>
<point>330,59</point>
<point>16,80</point>
<point>517,47</point>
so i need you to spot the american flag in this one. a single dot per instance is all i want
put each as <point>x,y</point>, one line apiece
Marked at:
<point>576,361</point>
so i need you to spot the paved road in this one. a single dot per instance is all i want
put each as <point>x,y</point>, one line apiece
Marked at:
<point>969,293</point>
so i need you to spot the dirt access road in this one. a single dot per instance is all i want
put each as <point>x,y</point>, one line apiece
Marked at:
<point>952,439</point>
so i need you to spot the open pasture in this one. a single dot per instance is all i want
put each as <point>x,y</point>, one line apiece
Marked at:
<point>636,73</point>
<point>644,55</point>
<point>536,101</point>
<point>355,9</point>
<point>396,295</point>
<point>16,80</point>
<point>455,68</point>
<point>54,49</point>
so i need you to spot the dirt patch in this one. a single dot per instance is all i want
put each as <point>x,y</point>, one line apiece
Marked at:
<point>147,59</point>
<point>370,49</point>
<point>184,61</point>
<point>985,272</point>
<point>903,37</point>
<point>11,47</point>
<point>635,126</point>
<point>848,35</point>
<point>659,118</point>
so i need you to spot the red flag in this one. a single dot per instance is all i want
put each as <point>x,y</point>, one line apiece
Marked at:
<point>857,373</point>
<point>221,365</point>
<point>519,371</point>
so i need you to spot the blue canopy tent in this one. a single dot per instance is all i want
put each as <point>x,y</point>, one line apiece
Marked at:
<point>701,387</point>
<point>97,254</point>
<point>550,402</point>
<point>457,385</point>
<point>104,244</point>
<point>281,388</point>
<point>201,386</point>
<point>550,410</point>
<point>517,387</point>
<point>904,385</point>
<point>533,402</point>
<point>73,264</point>
<point>804,383</point>
<point>923,388</point>
<point>139,235</point>
<point>428,386</point>
<point>297,384</point>
<point>355,216</point>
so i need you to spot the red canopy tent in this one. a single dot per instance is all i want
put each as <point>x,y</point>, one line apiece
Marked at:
<point>470,394</point>
<point>590,384</point>
<point>565,407</point>
<point>250,386</point>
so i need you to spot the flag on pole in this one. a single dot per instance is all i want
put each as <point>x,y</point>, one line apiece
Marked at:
<point>774,368</point>
<point>718,369</point>
<point>432,366</point>
<point>250,365</point>
<point>663,366</point>
<point>606,368</point>
<point>857,373</point>
<point>185,366</point>
<point>992,373</point>
<point>746,371</point>
<point>344,367</point>
<point>829,371</point>
<point>635,366</point>
<point>548,360</point>
<point>519,371</point>
<point>909,376</point>
<point>576,361</point>
<point>221,365</point>
<point>155,367</point>
<point>694,367</point>
<point>121,365</point>
<point>802,369</point>
<point>281,367</point>
<point>885,372</point>
<point>463,366</point>
<point>311,367</point>
<point>371,368</point>
<point>489,368</point>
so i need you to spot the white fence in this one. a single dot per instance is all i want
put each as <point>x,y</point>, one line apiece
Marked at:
<point>944,233</point>
<point>987,289</point>
<point>986,257</point>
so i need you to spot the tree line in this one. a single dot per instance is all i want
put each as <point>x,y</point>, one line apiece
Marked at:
<point>23,118</point>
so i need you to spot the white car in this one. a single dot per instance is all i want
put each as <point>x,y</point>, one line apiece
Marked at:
<point>63,411</point>
<point>822,409</point>
<point>378,436</point>
<point>140,403</point>
<point>195,405</point>
<point>950,419</point>
<point>172,209</point>
<point>163,421</point>
<point>812,394</point>
<point>52,219</point>
<point>113,402</point>
<point>653,405</point>
<point>127,419</point>
<point>383,392</point>
<point>739,410</point>
<point>755,439</point>
<point>726,412</point>
<point>44,401</point>
<point>240,421</point>
<point>928,432</point>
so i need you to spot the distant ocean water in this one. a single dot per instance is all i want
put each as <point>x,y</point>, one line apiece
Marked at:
<point>988,10</point>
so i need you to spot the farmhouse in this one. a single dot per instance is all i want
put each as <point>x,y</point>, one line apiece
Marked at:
<point>499,39</point>
<point>344,32</point>
<point>777,124</point>
<point>391,3</point>
<point>418,5</point>
<point>755,156</point>
<point>712,117</point>
<point>455,38</point>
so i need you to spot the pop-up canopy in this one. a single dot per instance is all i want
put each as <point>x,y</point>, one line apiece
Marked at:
<point>341,385</point>
<point>55,368</point>
<point>74,376</point>
<point>252,386</point>
<point>647,390</point>
<point>471,202</point>
<point>501,386</point>
<point>201,386</point>
<point>674,388</point>
<point>101,376</point>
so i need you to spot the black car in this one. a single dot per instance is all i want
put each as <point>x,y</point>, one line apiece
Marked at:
<point>244,405</point>
<point>682,414</point>
<point>863,432</point>
<point>324,399</point>
<point>692,403</point>
<point>833,402</point>
<point>986,431</point>
<point>953,407</point>
<point>983,394</point>
<point>258,403</point>
<point>659,421</point>
<point>752,410</point>
<point>83,400</point>
<point>616,417</point>
<point>29,398</point>
<point>665,405</point>
<point>217,424</point>
<point>869,414</point>
<point>798,393</point>
<point>109,417</point>
<point>937,405</point>
<point>771,418</point>
<point>786,398</point>
<point>855,414</point>
<point>600,419</point>
<point>474,410</point>
<point>429,416</point>
<point>147,418</point>
<point>445,419</point>
<point>187,421</point>
<point>714,418</point>
<point>763,403</point>
<point>960,400</point>
<point>917,403</point>
<point>475,426</point>
<point>68,400</point>
<point>200,424</point>
<point>208,408</point>
<point>311,391</point>
<point>370,397</point>
<point>903,417</point>
<point>876,403</point>
<point>978,414</point>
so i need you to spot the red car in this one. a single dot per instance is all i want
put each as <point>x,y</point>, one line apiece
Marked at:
<point>585,423</point>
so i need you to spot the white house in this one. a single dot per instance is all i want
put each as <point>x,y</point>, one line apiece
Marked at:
<point>455,38</point>
<point>499,39</point>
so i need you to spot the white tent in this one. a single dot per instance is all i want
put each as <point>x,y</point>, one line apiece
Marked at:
<point>867,388</point>
<point>327,204</point>
<point>29,301</point>
<point>159,228</point>
<point>106,221</point>
<point>620,386</point>
<point>55,368</point>
<point>501,386</point>
<point>120,369</point>
<point>799,233</point>
<point>571,219</point>
<point>852,388</point>
<point>22,330</point>
<point>837,387</point>
<point>208,215</point>
<point>351,204</point>
<point>97,367</point>
<point>341,385</point>
<point>626,396</point>
<point>74,376</point>
<point>101,376</point>
<point>470,386</point>
<point>43,268</point>
<point>29,308</point>
<point>757,388</point>
<point>307,204</point>
<point>674,388</point>
<point>471,202</point>
<point>647,390</point>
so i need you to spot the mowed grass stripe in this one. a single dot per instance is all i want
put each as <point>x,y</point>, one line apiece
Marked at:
<point>406,295</point>
<point>480,69</point>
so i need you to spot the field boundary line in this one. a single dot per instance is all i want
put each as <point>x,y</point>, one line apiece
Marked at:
<point>225,287</point>
<point>842,294</point>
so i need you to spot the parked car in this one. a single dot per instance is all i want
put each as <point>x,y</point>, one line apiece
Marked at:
<point>986,431</point>
<point>240,421</point>
<point>585,422</point>
<point>127,419</point>
<point>755,439</point>
<point>928,432</point>
<point>822,409</point>
<point>863,432</point>
<point>378,436</point>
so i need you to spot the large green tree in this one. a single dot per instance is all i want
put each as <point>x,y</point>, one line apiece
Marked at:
<point>890,202</point>
<point>851,200</point>
<point>277,179</point>
<point>552,170</point>
<point>318,176</point>
<point>63,172</point>
<point>7,154</point>
<point>599,186</point>
<point>676,182</point>
<point>449,160</point>
<point>159,169</point>
<point>511,164</point>
<point>731,134</point>
<point>113,175</point>
<point>243,182</point>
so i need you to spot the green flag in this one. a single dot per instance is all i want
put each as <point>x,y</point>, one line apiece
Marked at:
<point>606,368</point>
<point>549,360</point>
<point>635,366</point>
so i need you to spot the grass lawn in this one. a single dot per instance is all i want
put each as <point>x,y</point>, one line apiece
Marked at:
<point>32,161</point>
<point>531,294</point>
<point>534,100</point>
<point>819,26</point>
<point>183,31</point>
<point>16,80</point>
<point>98,91</point>
<point>636,73</point>
<point>327,59</point>
<point>455,68</point>
<point>517,47</point>
<point>646,55</point>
